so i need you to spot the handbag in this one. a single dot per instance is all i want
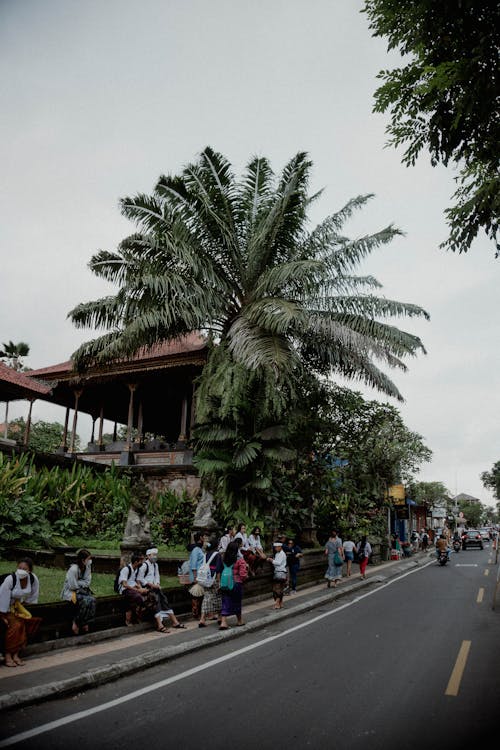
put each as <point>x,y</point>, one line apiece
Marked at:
<point>197,590</point>
<point>337,559</point>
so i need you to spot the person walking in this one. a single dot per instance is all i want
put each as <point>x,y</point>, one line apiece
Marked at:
<point>363,550</point>
<point>18,588</point>
<point>76,590</point>
<point>232,594</point>
<point>424,540</point>
<point>212,601</point>
<point>280,573</point>
<point>335,554</point>
<point>293,555</point>
<point>196,558</point>
<point>349,547</point>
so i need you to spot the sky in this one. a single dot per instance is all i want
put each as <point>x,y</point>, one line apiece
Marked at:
<point>98,98</point>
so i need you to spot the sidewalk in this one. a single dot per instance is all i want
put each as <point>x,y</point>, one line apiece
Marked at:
<point>75,664</point>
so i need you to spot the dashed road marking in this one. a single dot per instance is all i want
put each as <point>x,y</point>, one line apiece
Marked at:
<point>456,676</point>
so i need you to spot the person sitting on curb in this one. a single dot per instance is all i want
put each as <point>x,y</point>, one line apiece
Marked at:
<point>76,590</point>
<point>148,577</point>
<point>131,589</point>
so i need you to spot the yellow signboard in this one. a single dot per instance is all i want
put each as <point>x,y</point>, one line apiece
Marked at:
<point>397,494</point>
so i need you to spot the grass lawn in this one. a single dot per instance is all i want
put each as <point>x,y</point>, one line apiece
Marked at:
<point>52,579</point>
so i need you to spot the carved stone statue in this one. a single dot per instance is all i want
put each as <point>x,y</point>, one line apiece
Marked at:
<point>137,534</point>
<point>203,518</point>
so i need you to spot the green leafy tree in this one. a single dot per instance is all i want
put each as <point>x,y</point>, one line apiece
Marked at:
<point>367,447</point>
<point>446,99</point>
<point>13,353</point>
<point>234,258</point>
<point>44,436</point>
<point>435,494</point>
<point>491,481</point>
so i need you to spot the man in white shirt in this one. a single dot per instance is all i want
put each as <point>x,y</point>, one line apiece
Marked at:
<point>280,573</point>
<point>148,576</point>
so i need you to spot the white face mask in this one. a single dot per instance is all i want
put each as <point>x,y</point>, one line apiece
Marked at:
<point>153,558</point>
<point>88,564</point>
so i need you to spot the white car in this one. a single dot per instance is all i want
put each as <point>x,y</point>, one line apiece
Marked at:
<point>485,534</point>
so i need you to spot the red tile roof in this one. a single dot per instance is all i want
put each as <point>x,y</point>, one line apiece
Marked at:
<point>15,384</point>
<point>193,342</point>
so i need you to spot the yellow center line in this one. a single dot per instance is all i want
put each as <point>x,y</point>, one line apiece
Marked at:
<point>486,572</point>
<point>458,670</point>
<point>480,595</point>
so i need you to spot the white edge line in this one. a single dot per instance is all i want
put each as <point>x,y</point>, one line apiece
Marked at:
<point>43,728</point>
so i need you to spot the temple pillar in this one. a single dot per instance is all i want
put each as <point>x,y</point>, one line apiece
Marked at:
<point>92,436</point>
<point>192,416</point>
<point>181,440</point>
<point>28,423</point>
<point>101,428</point>
<point>127,457</point>
<point>6,421</point>
<point>77,393</point>
<point>64,440</point>
<point>140,423</point>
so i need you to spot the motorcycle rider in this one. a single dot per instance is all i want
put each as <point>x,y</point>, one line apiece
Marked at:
<point>442,546</point>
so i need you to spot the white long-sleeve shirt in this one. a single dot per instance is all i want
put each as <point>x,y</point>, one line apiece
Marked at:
<point>279,562</point>
<point>11,591</point>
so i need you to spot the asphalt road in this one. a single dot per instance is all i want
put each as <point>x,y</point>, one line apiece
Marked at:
<point>409,661</point>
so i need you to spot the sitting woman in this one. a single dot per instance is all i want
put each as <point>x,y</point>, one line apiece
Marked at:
<point>18,588</point>
<point>257,555</point>
<point>76,590</point>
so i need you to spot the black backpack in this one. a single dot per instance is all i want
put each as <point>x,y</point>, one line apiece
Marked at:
<point>116,587</point>
<point>3,576</point>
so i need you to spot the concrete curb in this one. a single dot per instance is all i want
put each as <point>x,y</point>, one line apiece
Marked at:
<point>110,672</point>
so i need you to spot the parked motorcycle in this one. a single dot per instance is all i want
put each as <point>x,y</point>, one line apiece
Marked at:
<point>443,558</point>
<point>457,545</point>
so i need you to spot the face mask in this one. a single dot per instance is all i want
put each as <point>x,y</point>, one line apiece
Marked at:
<point>208,545</point>
<point>153,558</point>
<point>88,564</point>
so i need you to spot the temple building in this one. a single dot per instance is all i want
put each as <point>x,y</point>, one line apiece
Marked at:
<point>17,386</point>
<point>150,393</point>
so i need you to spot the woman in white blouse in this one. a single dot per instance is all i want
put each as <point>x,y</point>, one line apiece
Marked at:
<point>18,588</point>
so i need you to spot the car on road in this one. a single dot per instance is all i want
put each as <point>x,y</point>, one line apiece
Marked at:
<point>485,534</point>
<point>472,538</point>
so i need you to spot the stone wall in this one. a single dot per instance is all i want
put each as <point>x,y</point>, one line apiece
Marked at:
<point>175,481</point>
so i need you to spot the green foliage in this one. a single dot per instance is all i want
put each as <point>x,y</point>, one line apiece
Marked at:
<point>38,503</point>
<point>235,258</point>
<point>434,494</point>
<point>44,436</point>
<point>445,98</point>
<point>172,517</point>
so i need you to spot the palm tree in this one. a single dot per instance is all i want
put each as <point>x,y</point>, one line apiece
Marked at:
<point>234,258</point>
<point>14,352</point>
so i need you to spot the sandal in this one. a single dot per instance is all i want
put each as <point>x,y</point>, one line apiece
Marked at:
<point>163,629</point>
<point>10,664</point>
<point>180,625</point>
<point>201,625</point>
<point>223,627</point>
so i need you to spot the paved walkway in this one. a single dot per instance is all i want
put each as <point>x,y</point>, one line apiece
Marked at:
<point>90,660</point>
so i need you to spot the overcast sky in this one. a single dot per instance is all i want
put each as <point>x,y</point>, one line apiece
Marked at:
<point>99,97</point>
